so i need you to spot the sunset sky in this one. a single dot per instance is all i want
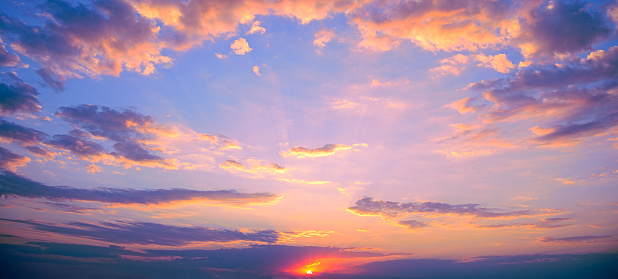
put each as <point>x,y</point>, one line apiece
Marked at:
<point>266,139</point>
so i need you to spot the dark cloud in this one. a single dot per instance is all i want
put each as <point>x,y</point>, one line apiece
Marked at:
<point>83,148</point>
<point>562,27</point>
<point>102,121</point>
<point>13,184</point>
<point>413,224</point>
<point>11,132</point>
<point>575,239</point>
<point>516,266</point>
<point>389,209</point>
<point>17,96</point>
<point>40,259</point>
<point>134,151</point>
<point>125,127</point>
<point>10,160</point>
<point>124,232</point>
<point>8,59</point>
<point>549,223</point>
<point>101,37</point>
<point>575,99</point>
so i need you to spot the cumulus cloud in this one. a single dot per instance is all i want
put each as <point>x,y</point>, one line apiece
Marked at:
<point>143,233</point>
<point>256,28</point>
<point>556,28</point>
<point>456,64</point>
<point>575,99</point>
<point>434,25</point>
<point>324,151</point>
<point>322,37</point>
<point>102,38</point>
<point>367,206</point>
<point>17,96</point>
<point>130,130</point>
<point>8,59</point>
<point>24,136</point>
<point>13,184</point>
<point>240,46</point>
<point>10,160</point>
<point>256,70</point>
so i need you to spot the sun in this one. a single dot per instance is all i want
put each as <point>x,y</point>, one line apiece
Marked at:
<point>309,272</point>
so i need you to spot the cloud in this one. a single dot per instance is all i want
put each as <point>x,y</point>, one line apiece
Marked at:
<point>573,100</point>
<point>8,59</point>
<point>92,168</point>
<point>497,62</point>
<point>240,46</point>
<point>115,261</point>
<point>130,130</point>
<point>557,28</point>
<point>76,40</point>
<point>434,25</point>
<point>324,151</point>
<point>412,224</point>
<point>255,167</point>
<point>83,148</point>
<point>456,64</point>
<point>143,233</point>
<point>24,136</point>
<point>256,28</point>
<point>256,70</point>
<point>575,239</point>
<point>367,206</point>
<point>220,56</point>
<point>18,96</point>
<point>549,223</point>
<point>13,184</point>
<point>10,160</point>
<point>322,37</point>
<point>268,261</point>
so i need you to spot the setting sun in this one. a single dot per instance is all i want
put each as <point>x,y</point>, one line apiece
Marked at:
<point>309,272</point>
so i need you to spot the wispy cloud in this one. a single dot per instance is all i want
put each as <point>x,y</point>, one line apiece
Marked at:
<point>142,233</point>
<point>10,160</point>
<point>367,206</point>
<point>575,239</point>
<point>13,184</point>
<point>324,151</point>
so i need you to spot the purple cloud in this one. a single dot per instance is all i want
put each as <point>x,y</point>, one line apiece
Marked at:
<point>413,224</point>
<point>24,136</point>
<point>389,209</point>
<point>8,59</point>
<point>103,37</point>
<point>574,99</point>
<point>17,96</point>
<point>10,160</point>
<point>13,184</point>
<point>123,232</point>
<point>575,239</point>
<point>562,27</point>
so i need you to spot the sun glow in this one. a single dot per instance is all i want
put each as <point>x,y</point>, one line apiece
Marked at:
<point>309,272</point>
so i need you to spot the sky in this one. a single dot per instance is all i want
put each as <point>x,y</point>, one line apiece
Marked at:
<point>278,138</point>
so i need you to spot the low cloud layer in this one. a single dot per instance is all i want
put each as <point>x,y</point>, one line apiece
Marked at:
<point>143,233</point>
<point>367,206</point>
<point>13,184</point>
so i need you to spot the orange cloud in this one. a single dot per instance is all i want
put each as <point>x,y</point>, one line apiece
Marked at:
<point>324,151</point>
<point>241,47</point>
